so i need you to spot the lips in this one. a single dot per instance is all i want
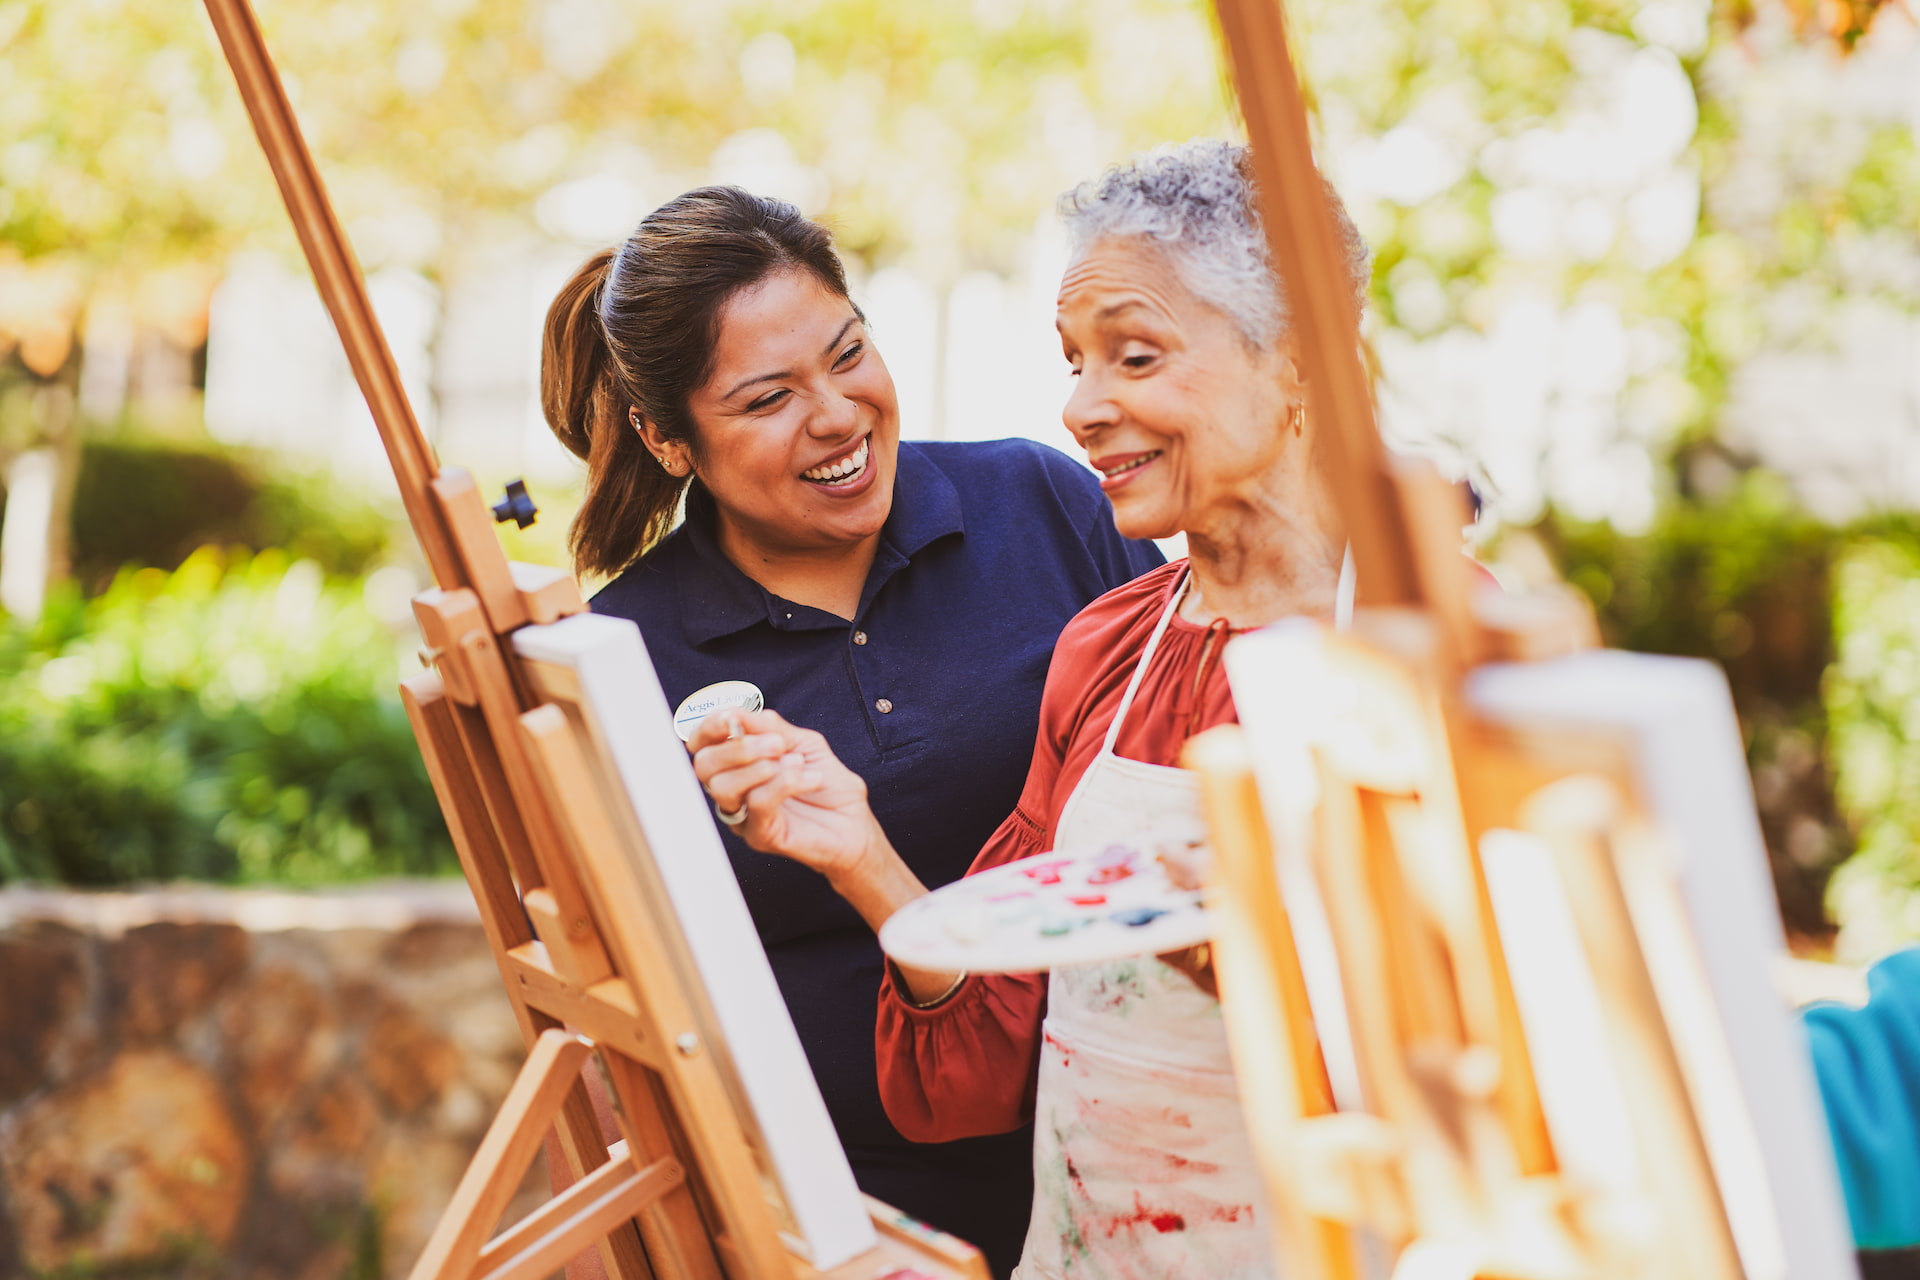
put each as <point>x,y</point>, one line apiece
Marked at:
<point>1115,467</point>
<point>1118,469</point>
<point>843,470</point>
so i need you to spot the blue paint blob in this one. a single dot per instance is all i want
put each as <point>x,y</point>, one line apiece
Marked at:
<point>1137,916</point>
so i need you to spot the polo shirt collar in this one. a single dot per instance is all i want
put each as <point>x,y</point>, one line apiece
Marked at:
<point>716,599</point>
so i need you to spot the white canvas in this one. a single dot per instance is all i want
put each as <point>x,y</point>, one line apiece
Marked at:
<point>1766,1131</point>
<point>630,717</point>
<point>1788,1217</point>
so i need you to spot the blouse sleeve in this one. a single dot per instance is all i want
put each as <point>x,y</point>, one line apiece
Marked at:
<point>968,1066</point>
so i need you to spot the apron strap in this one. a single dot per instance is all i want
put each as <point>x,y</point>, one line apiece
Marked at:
<point>1342,620</point>
<point>1146,657</point>
<point>1343,593</point>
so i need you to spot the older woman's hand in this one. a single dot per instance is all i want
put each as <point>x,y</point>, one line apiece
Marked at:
<point>800,801</point>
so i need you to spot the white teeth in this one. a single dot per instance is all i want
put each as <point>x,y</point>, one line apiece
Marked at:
<point>842,471</point>
<point>1125,467</point>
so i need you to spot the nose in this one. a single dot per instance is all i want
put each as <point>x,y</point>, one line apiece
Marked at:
<point>835,417</point>
<point>1088,409</point>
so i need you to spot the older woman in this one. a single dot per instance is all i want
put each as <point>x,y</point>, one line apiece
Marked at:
<point>1189,404</point>
<point>903,598</point>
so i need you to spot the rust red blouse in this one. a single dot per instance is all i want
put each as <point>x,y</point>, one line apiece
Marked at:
<point>968,1066</point>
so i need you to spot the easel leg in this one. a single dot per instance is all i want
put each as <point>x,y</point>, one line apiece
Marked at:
<point>672,1226</point>
<point>577,1145</point>
<point>590,1208</point>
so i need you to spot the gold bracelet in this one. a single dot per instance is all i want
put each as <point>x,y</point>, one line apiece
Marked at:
<point>906,992</point>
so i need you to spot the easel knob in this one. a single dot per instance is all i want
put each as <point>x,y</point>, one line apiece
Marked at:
<point>517,506</point>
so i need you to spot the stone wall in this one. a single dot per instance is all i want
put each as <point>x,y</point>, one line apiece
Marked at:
<point>241,1083</point>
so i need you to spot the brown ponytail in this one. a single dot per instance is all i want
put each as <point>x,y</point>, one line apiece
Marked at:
<point>635,328</point>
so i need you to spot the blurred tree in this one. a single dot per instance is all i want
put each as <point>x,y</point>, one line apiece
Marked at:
<point>930,133</point>
<point>1743,579</point>
<point>107,205</point>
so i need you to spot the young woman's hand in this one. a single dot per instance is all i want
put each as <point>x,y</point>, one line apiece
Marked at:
<point>800,802</point>
<point>797,800</point>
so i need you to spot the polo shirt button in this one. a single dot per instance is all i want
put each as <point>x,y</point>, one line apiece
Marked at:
<point>859,637</point>
<point>883,706</point>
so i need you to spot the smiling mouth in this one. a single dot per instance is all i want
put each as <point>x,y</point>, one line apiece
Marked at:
<point>845,471</point>
<point>1132,464</point>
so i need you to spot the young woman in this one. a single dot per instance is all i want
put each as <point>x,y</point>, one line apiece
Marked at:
<point>1189,403</point>
<point>903,598</point>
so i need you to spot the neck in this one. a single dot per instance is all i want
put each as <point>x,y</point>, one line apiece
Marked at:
<point>1269,556</point>
<point>829,578</point>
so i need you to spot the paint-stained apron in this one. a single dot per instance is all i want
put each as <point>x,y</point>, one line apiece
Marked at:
<point>1142,1168</point>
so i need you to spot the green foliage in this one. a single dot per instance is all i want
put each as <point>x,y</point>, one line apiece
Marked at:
<point>1744,579</point>
<point>1873,697</point>
<point>1729,579</point>
<point>1818,629</point>
<point>150,503</point>
<point>440,125</point>
<point>234,719</point>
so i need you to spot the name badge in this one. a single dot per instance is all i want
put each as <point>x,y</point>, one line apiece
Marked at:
<point>702,703</point>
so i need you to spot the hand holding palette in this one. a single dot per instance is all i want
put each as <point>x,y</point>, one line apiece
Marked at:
<point>1068,907</point>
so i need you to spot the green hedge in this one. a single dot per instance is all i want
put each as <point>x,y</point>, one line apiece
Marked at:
<point>235,719</point>
<point>144,502</point>
<point>1818,633</point>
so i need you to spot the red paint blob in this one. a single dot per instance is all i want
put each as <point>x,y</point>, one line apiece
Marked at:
<point>1088,899</point>
<point>1107,875</point>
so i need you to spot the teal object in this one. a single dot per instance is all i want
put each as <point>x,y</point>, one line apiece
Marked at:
<point>1867,1061</point>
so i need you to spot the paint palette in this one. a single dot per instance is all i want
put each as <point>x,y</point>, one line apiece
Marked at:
<point>1068,907</point>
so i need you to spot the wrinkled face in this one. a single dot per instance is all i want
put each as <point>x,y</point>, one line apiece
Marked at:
<point>1181,418</point>
<point>797,427</point>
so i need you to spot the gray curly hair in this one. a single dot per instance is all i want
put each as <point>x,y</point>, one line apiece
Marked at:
<point>1196,201</point>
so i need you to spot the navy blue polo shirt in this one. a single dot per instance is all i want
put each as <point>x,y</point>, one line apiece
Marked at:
<point>932,695</point>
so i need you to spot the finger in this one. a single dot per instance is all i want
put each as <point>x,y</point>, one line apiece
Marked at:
<point>729,790</point>
<point>715,726</point>
<point>737,753</point>
<point>813,744</point>
<point>793,781</point>
<point>765,721</point>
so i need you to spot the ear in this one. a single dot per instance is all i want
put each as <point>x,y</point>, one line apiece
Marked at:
<point>673,455</point>
<point>1293,379</point>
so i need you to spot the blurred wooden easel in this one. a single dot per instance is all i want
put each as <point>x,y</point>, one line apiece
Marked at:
<point>1376,775</point>
<point>725,1168</point>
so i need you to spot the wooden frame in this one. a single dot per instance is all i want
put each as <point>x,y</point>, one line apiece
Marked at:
<point>1378,775</point>
<point>604,893</point>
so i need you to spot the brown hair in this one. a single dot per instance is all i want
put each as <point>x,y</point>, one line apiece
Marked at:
<point>636,327</point>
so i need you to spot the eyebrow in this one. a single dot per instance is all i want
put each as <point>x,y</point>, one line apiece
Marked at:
<point>1113,309</point>
<point>787,373</point>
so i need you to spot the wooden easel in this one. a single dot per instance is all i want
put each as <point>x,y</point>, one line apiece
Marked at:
<point>1444,1163</point>
<point>591,952</point>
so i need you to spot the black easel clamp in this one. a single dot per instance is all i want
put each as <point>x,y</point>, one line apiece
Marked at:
<point>517,506</point>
